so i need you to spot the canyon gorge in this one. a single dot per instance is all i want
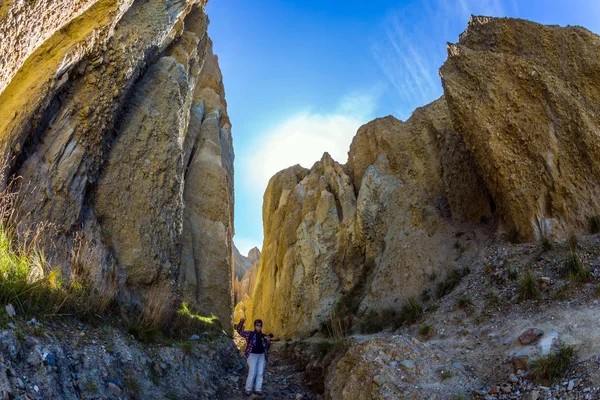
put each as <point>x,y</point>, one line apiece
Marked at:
<point>117,148</point>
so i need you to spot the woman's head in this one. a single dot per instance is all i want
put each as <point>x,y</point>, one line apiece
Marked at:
<point>258,325</point>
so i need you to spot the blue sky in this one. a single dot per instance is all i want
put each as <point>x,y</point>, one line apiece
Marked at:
<point>302,76</point>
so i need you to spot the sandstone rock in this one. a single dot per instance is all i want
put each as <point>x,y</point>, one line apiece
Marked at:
<point>520,361</point>
<point>241,264</point>
<point>530,335</point>
<point>519,94</point>
<point>408,187</point>
<point>299,280</point>
<point>370,361</point>
<point>126,107</point>
<point>243,285</point>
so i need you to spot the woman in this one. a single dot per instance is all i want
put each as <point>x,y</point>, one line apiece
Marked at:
<point>257,352</point>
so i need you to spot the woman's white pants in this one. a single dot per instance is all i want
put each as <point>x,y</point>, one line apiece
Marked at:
<point>256,365</point>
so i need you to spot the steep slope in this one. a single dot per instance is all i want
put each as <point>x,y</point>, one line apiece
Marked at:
<point>119,133</point>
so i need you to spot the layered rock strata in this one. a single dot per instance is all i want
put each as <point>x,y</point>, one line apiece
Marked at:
<point>117,128</point>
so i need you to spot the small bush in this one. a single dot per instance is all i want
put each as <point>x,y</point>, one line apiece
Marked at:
<point>585,275</point>
<point>463,301</point>
<point>481,318</point>
<point>546,244</point>
<point>426,295</point>
<point>187,346</point>
<point>132,386</point>
<point>562,293</point>
<point>337,327</point>
<point>572,266</point>
<point>492,300</point>
<point>573,243</point>
<point>189,321</point>
<point>452,280</point>
<point>528,288</point>
<point>324,348</point>
<point>513,273</point>
<point>548,368</point>
<point>90,386</point>
<point>597,290</point>
<point>489,269</point>
<point>425,330</point>
<point>410,313</point>
<point>371,323</point>
<point>143,333</point>
<point>445,375</point>
<point>594,224</point>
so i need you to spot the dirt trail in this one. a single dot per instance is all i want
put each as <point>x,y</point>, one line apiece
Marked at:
<point>283,380</point>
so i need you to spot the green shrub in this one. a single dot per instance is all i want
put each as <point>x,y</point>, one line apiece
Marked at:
<point>513,273</point>
<point>572,265</point>
<point>445,375</point>
<point>546,244</point>
<point>425,330</point>
<point>561,293</point>
<point>528,288</point>
<point>484,316</point>
<point>597,290</point>
<point>547,369</point>
<point>371,323</point>
<point>463,301</point>
<point>410,312</point>
<point>585,275</point>
<point>452,280</point>
<point>37,290</point>
<point>324,348</point>
<point>572,243</point>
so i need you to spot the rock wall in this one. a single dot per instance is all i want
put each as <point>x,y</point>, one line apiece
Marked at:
<point>364,232</point>
<point>524,98</point>
<point>118,130</point>
<point>245,269</point>
<point>511,147</point>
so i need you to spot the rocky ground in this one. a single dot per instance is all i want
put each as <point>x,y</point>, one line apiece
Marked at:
<point>478,341</point>
<point>70,360</point>
<point>481,339</point>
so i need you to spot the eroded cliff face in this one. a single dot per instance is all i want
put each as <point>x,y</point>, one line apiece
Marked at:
<point>524,97</point>
<point>117,128</point>
<point>245,270</point>
<point>364,232</point>
<point>512,147</point>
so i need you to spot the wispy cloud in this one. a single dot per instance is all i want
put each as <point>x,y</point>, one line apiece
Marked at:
<point>411,45</point>
<point>305,136</point>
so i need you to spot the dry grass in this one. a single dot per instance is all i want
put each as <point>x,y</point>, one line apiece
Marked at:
<point>34,285</point>
<point>528,288</point>
<point>547,369</point>
<point>337,327</point>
